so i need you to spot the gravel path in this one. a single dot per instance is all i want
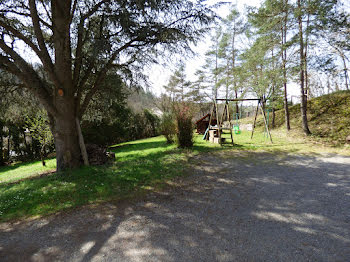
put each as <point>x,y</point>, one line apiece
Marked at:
<point>253,207</point>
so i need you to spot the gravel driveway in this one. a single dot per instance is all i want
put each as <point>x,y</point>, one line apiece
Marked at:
<point>246,206</point>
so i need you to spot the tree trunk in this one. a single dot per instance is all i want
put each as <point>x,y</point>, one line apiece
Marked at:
<point>237,106</point>
<point>286,108</point>
<point>303,102</point>
<point>307,87</point>
<point>8,144</point>
<point>1,146</point>
<point>63,123</point>
<point>64,130</point>
<point>284,61</point>
<point>345,72</point>
<point>42,155</point>
<point>273,117</point>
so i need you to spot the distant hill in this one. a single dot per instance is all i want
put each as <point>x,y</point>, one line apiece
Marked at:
<point>328,115</point>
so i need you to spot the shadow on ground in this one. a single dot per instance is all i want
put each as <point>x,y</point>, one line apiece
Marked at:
<point>244,207</point>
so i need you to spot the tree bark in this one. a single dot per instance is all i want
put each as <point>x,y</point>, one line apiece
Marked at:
<point>307,87</point>
<point>284,61</point>
<point>1,145</point>
<point>303,102</point>
<point>64,127</point>
<point>273,123</point>
<point>82,144</point>
<point>64,130</point>
<point>42,155</point>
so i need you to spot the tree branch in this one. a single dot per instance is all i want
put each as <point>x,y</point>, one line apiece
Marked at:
<point>46,59</point>
<point>78,53</point>
<point>19,35</point>
<point>26,40</point>
<point>28,76</point>
<point>101,74</point>
<point>80,42</point>
<point>95,9</point>
<point>25,15</point>
<point>73,10</point>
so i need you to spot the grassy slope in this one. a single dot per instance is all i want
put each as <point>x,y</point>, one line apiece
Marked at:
<point>328,115</point>
<point>140,166</point>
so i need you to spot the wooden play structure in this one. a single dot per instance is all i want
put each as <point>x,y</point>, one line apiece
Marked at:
<point>203,123</point>
<point>215,130</point>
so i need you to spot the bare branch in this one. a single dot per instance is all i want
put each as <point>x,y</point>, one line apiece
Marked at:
<point>78,53</point>
<point>73,10</point>
<point>47,11</point>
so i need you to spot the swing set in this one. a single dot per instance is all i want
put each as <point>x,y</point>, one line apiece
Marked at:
<point>214,132</point>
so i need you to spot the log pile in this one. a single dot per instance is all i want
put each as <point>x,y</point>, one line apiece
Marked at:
<point>98,155</point>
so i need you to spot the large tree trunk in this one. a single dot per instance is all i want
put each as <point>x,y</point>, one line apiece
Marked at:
<point>303,102</point>
<point>68,154</point>
<point>66,138</point>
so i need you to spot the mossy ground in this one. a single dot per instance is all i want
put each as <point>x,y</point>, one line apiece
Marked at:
<point>328,119</point>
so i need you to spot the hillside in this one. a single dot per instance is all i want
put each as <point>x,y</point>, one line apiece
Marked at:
<point>328,115</point>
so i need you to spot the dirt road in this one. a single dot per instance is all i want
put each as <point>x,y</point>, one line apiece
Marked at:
<point>239,207</point>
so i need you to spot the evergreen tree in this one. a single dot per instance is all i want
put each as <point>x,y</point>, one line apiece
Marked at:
<point>273,19</point>
<point>177,87</point>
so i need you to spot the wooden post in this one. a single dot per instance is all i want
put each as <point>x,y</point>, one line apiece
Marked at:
<point>256,114</point>
<point>219,124</point>
<point>210,118</point>
<point>82,144</point>
<point>267,128</point>
<point>223,114</point>
<point>229,119</point>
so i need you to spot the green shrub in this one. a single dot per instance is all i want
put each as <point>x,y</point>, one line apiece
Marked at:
<point>184,126</point>
<point>168,127</point>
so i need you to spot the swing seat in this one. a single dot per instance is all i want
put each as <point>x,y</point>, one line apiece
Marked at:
<point>236,129</point>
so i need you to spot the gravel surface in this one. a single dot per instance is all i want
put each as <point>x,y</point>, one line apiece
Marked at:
<point>239,207</point>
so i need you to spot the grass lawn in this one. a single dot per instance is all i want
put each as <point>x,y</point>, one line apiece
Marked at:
<point>140,166</point>
<point>25,170</point>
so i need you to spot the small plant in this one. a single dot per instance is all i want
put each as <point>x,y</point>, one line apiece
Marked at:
<point>184,126</point>
<point>168,127</point>
<point>40,130</point>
